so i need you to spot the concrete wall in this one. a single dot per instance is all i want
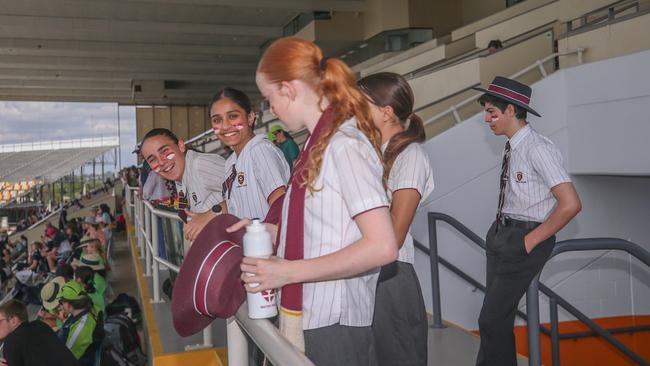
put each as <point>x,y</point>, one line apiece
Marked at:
<point>474,10</point>
<point>185,121</point>
<point>616,39</point>
<point>501,16</point>
<point>466,162</point>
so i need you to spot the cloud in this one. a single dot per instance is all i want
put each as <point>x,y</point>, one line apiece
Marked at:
<point>43,121</point>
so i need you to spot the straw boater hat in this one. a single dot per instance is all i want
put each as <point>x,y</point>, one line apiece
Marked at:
<point>208,285</point>
<point>93,261</point>
<point>510,91</point>
<point>50,291</point>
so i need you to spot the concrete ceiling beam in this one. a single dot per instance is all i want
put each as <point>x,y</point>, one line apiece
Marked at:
<point>106,64</point>
<point>66,26</point>
<point>16,73</point>
<point>41,46</point>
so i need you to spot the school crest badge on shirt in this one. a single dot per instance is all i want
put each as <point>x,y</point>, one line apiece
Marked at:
<point>521,178</point>
<point>241,179</point>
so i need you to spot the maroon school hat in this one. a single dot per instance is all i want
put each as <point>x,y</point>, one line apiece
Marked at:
<point>208,285</point>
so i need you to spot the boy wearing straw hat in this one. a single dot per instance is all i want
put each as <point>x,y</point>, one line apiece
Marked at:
<point>536,200</point>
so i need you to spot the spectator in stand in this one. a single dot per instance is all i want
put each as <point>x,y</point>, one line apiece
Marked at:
<point>494,46</point>
<point>63,219</point>
<point>285,142</point>
<point>29,343</point>
<point>257,172</point>
<point>154,187</point>
<point>80,332</point>
<point>94,285</point>
<point>51,312</point>
<point>198,176</point>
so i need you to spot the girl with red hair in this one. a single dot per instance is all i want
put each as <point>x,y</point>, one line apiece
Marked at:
<point>335,228</point>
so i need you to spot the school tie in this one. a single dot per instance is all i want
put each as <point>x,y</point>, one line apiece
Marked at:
<point>182,205</point>
<point>226,188</point>
<point>504,181</point>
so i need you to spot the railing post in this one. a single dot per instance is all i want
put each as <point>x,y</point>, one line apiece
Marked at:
<point>207,337</point>
<point>435,274</point>
<point>156,266</point>
<point>555,332</point>
<point>532,310</point>
<point>454,111</point>
<point>580,51</point>
<point>542,70</point>
<point>139,208</point>
<point>147,238</point>
<point>237,344</point>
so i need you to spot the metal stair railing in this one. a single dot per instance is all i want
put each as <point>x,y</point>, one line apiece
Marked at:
<point>532,302</point>
<point>532,297</point>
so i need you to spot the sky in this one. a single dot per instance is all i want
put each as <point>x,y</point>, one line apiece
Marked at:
<point>44,121</point>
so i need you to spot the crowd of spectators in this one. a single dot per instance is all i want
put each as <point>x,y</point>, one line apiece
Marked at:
<point>65,273</point>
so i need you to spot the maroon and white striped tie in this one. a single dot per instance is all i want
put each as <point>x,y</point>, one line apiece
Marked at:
<point>504,181</point>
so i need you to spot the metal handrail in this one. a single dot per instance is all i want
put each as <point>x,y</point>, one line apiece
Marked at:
<point>532,297</point>
<point>539,64</point>
<point>267,337</point>
<point>575,245</point>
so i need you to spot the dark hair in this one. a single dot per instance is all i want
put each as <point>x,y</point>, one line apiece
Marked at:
<point>84,303</point>
<point>66,271</point>
<point>86,275</point>
<point>104,208</point>
<point>237,96</point>
<point>158,132</point>
<point>520,112</point>
<point>287,135</point>
<point>495,43</point>
<point>14,308</point>
<point>390,89</point>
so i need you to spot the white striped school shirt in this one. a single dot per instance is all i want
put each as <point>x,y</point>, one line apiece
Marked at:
<point>202,180</point>
<point>411,170</point>
<point>261,169</point>
<point>535,167</point>
<point>351,182</point>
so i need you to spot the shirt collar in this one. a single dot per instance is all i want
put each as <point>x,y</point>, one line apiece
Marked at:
<point>520,135</point>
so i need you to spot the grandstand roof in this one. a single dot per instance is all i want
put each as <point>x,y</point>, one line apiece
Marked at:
<point>49,162</point>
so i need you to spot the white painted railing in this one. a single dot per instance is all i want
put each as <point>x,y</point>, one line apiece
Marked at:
<point>266,336</point>
<point>539,65</point>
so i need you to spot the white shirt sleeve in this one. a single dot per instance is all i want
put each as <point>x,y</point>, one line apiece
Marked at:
<point>359,172</point>
<point>271,168</point>
<point>547,162</point>
<point>211,169</point>
<point>412,170</point>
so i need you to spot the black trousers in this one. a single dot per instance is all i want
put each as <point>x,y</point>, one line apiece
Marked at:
<point>508,274</point>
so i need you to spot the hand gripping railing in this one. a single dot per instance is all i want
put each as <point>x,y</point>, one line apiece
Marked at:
<point>267,337</point>
<point>532,299</point>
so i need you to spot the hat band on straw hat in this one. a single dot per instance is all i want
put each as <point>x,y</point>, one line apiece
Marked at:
<point>509,93</point>
<point>89,262</point>
<point>205,271</point>
<point>54,293</point>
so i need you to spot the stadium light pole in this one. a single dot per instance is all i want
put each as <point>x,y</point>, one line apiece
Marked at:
<point>119,138</point>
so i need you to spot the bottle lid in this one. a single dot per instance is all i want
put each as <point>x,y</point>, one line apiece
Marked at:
<point>255,226</point>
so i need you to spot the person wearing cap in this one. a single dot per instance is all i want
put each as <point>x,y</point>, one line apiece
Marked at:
<point>79,331</point>
<point>285,142</point>
<point>29,343</point>
<point>536,200</point>
<point>198,177</point>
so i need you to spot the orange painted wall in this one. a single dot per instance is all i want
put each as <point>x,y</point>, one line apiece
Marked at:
<point>593,351</point>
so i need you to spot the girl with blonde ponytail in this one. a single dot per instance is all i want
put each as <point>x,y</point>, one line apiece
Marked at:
<point>400,324</point>
<point>335,228</point>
